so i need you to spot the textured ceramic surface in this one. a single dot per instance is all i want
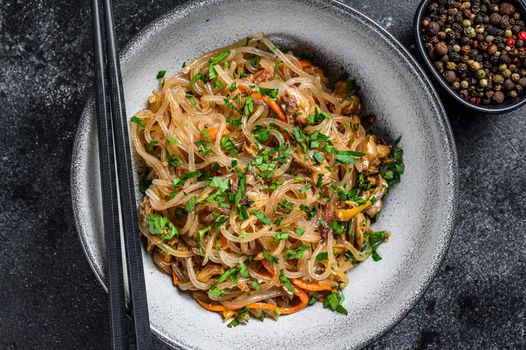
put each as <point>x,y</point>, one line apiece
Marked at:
<point>419,211</point>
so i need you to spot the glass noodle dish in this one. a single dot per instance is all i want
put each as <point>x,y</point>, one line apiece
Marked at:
<point>261,182</point>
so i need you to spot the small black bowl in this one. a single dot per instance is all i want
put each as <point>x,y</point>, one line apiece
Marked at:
<point>504,107</point>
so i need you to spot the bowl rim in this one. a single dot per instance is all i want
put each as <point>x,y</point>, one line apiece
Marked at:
<point>490,109</point>
<point>183,10</point>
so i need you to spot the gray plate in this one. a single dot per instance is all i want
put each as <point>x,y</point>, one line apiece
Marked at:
<point>420,211</point>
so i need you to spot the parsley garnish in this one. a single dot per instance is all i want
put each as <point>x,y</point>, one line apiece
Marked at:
<point>137,121</point>
<point>203,148</point>
<point>262,217</point>
<point>190,205</point>
<point>261,133</point>
<point>198,76</point>
<point>161,74</point>
<point>214,61</point>
<point>285,281</point>
<point>173,160</point>
<point>280,236</point>
<point>322,256</point>
<point>243,270</point>
<point>347,157</point>
<point>215,292</point>
<point>334,302</point>
<point>270,258</point>
<point>229,146</point>
<point>160,225</point>
<point>233,323</point>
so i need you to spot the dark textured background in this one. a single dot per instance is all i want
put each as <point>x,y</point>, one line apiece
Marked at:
<point>49,297</point>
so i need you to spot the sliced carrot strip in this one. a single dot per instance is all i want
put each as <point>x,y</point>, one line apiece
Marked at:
<point>272,104</point>
<point>267,266</point>
<point>213,307</point>
<point>224,243</point>
<point>243,89</point>
<point>304,300</point>
<point>304,64</point>
<point>212,132</point>
<point>311,286</point>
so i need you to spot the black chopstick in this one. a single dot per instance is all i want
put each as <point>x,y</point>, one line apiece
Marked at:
<point>119,338</point>
<point>119,126</point>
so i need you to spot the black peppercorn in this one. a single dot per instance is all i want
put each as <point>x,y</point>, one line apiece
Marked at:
<point>495,19</point>
<point>450,76</point>
<point>498,97</point>
<point>507,9</point>
<point>433,28</point>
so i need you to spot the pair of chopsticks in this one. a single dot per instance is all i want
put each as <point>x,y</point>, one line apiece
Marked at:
<point>113,136</point>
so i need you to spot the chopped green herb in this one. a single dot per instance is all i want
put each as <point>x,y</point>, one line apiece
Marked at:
<point>218,84</point>
<point>347,157</point>
<point>285,281</point>
<point>255,60</point>
<point>151,145</point>
<point>198,76</point>
<point>261,133</point>
<point>233,323</point>
<point>318,157</point>
<point>214,61</point>
<point>229,146</point>
<point>295,254</point>
<point>173,160</point>
<point>270,258</point>
<point>161,74</point>
<point>322,256</point>
<point>249,106</point>
<point>280,236</point>
<point>262,217</point>
<point>277,67</point>
<point>220,183</point>
<point>160,225</point>
<point>215,292</point>
<point>313,300</point>
<point>305,188</point>
<point>234,122</point>
<point>337,227</point>
<point>256,285</point>
<point>334,302</point>
<point>273,93</point>
<point>203,148</point>
<point>190,205</point>
<point>299,231</point>
<point>192,99</point>
<point>233,86</point>
<point>243,270</point>
<point>137,121</point>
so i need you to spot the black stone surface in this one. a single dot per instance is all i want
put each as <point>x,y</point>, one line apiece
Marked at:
<point>49,297</point>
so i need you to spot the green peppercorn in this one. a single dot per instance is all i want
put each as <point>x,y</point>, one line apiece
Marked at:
<point>508,33</point>
<point>483,83</point>
<point>451,65</point>
<point>479,28</point>
<point>475,66</point>
<point>464,84</point>
<point>480,74</point>
<point>512,94</point>
<point>489,38</point>
<point>502,67</point>
<point>456,48</point>
<point>498,79</point>
<point>506,73</point>
<point>466,23</point>
<point>466,4</point>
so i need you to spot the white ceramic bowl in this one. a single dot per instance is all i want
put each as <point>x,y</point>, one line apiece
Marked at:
<point>419,211</point>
